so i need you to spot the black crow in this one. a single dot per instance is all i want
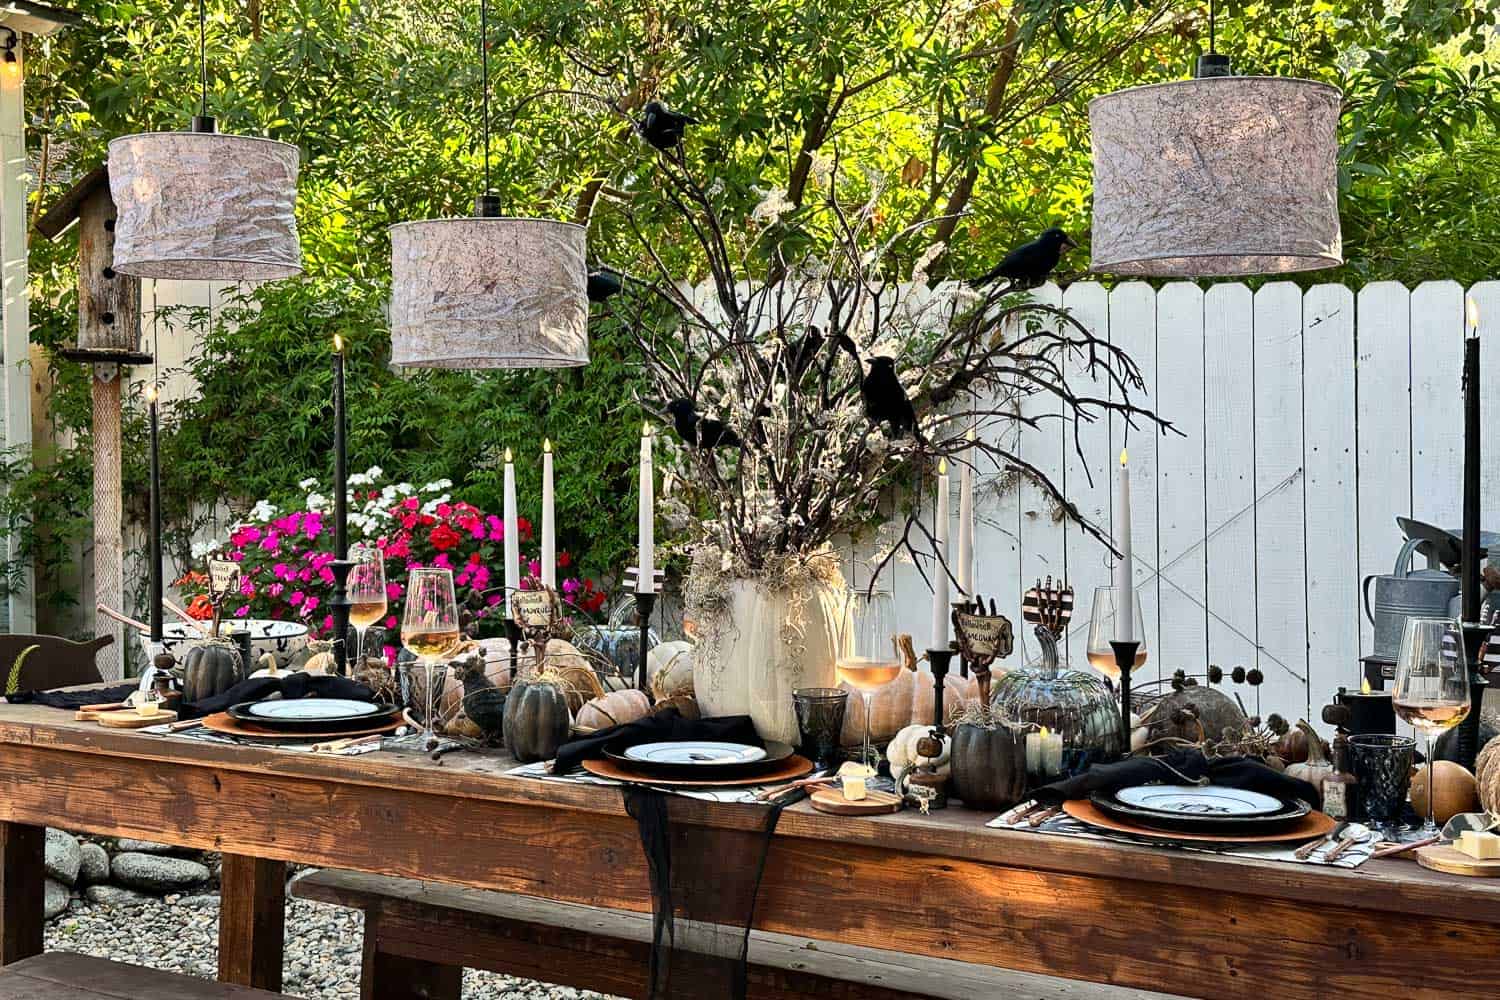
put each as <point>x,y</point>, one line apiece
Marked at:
<point>661,127</point>
<point>885,400</point>
<point>1029,264</point>
<point>603,283</point>
<point>697,432</point>
<point>803,353</point>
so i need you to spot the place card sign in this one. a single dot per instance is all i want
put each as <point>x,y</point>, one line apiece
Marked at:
<point>223,577</point>
<point>533,609</point>
<point>982,639</point>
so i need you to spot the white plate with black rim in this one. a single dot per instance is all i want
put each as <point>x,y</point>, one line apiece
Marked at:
<point>689,753</point>
<point>1199,800</point>
<point>309,713</point>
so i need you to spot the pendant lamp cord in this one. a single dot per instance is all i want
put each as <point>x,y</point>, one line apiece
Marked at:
<point>484,58</point>
<point>202,60</point>
<point>1212,26</point>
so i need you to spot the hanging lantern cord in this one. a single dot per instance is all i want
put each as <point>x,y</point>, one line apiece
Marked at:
<point>203,121</point>
<point>1211,63</point>
<point>486,205</point>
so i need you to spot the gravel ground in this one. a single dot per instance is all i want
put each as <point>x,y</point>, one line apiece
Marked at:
<point>322,946</point>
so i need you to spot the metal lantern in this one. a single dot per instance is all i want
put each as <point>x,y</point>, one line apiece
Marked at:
<point>489,292</point>
<point>1216,176</point>
<point>204,206</point>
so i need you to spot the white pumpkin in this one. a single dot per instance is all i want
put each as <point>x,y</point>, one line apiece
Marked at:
<point>613,709</point>
<point>670,667</point>
<point>902,752</point>
<point>268,667</point>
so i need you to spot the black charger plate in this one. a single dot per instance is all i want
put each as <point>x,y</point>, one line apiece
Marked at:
<point>776,756</point>
<point>1288,815</point>
<point>242,713</point>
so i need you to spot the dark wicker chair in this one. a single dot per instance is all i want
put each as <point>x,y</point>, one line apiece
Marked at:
<point>55,662</point>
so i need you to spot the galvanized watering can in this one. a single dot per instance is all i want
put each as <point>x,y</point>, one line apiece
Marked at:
<point>1405,593</point>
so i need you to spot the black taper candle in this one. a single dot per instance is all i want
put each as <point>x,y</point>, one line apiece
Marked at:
<point>340,456</point>
<point>156,568</point>
<point>1466,740</point>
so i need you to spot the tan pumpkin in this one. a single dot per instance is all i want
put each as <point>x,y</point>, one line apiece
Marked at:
<point>1456,791</point>
<point>320,663</point>
<point>903,702</point>
<point>670,667</point>
<point>1487,773</point>
<point>571,670</point>
<point>612,709</point>
<point>686,705</point>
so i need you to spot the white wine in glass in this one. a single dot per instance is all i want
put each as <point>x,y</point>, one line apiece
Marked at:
<point>867,675</point>
<point>429,630</point>
<point>367,595</point>
<point>1103,629</point>
<point>869,659</point>
<point>1431,691</point>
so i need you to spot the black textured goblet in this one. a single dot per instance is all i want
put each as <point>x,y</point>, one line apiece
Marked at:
<point>1382,763</point>
<point>820,720</point>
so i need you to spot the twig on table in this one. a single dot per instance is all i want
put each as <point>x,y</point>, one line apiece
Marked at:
<point>182,613</point>
<point>110,612</point>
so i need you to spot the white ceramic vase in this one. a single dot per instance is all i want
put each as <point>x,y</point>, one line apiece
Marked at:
<point>765,644</point>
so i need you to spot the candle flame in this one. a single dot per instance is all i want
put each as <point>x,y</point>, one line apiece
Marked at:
<point>547,445</point>
<point>1364,686</point>
<point>1046,732</point>
<point>338,344</point>
<point>150,393</point>
<point>646,429</point>
<point>1122,456</point>
<point>942,466</point>
<point>507,456</point>
<point>1473,313</point>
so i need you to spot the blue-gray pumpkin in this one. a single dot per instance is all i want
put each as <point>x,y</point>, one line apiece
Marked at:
<point>536,720</point>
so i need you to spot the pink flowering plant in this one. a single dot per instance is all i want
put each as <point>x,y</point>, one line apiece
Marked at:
<point>284,555</point>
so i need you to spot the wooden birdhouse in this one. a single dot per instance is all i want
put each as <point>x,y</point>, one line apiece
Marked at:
<point>109,303</point>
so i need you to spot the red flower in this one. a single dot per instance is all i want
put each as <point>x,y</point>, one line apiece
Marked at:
<point>564,560</point>
<point>524,526</point>
<point>443,537</point>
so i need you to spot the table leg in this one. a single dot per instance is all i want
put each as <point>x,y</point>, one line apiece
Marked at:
<point>22,850</point>
<point>396,977</point>
<point>252,919</point>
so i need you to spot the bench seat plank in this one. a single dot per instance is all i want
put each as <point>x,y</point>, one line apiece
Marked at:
<point>61,975</point>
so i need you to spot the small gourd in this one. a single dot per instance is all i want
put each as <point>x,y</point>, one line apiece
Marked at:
<point>211,666</point>
<point>1317,766</point>
<point>1456,792</point>
<point>320,663</point>
<point>536,719</point>
<point>613,709</point>
<point>268,667</point>
<point>1487,773</point>
<point>670,665</point>
<point>903,755</point>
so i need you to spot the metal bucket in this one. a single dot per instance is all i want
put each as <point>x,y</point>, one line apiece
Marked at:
<point>1404,594</point>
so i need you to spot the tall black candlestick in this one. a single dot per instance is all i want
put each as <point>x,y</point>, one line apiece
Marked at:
<point>644,604</point>
<point>155,528</point>
<point>1466,740</point>
<point>340,457</point>
<point>941,660</point>
<point>1125,660</point>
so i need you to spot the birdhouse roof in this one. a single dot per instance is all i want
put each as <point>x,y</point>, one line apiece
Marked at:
<point>36,18</point>
<point>62,215</point>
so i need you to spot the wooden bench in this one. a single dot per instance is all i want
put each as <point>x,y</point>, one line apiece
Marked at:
<point>62,975</point>
<point>419,936</point>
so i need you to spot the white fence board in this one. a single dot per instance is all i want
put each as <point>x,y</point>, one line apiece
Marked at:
<point>1437,352</point>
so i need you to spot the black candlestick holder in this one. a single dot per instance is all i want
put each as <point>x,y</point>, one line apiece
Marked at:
<point>644,605</point>
<point>514,633</point>
<point>1125,660</point>
<point>339,607</point>
<point>941,660</point>
<point>1466,738</point>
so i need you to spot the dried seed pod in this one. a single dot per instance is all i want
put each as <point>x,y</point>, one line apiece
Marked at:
<point>1238,675</point>
<point>1255,677</point>
<point>1215,674</point>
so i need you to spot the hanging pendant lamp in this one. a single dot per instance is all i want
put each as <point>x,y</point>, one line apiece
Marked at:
<point>204,206</point>
<point>1216,176</point>
<point>488,291</point>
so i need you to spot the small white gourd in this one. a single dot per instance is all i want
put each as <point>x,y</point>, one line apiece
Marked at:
<point>902,752</point>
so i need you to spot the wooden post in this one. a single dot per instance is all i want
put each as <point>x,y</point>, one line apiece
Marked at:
<point>21,890</point>
<point>252,915</point>
<point>15,340</point>
<point>385,976</point>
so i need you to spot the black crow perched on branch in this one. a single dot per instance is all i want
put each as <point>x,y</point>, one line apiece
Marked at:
<point>603,282</point>
<point>699,432</point>
<point>1028,264</point>
<point>885,401</point>
<point>661,127</point>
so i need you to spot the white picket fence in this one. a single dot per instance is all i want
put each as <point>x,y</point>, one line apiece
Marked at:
<point>1309,422</point>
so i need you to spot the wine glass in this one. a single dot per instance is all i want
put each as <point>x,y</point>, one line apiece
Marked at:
<point>367,598</point>
<point>1432,685</point>
<point>868,658</point>
<point>1102,630</point>
<point>429,630</point>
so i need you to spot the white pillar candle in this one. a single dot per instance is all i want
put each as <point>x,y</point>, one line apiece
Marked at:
<point>512,533</point>
<point>940,609</point>
<point>966,524</point>
<point>1125,564</point>
<point>645,581</point>
<point>549,520</point>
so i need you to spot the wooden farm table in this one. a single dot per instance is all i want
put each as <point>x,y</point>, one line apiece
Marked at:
<point>942,885</point>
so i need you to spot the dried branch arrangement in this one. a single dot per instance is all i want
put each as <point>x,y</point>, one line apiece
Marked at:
<point>804,388</point>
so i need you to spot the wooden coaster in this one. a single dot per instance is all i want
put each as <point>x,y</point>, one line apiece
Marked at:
<point>131,719</point>
<point>875,803</point>
<point>1445,858</point>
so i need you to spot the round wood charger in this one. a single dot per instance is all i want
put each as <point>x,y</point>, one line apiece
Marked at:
<point>220,722</point>
<point>875,802</point>
<point>1314,824</point>
<point>1445,858</point>
<point>789,769</point>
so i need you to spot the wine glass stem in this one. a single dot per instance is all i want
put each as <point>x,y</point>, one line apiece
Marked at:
<point>357,657</point>
<point>865,758</point>
<point>427,719</point>
<point>1431,821</point>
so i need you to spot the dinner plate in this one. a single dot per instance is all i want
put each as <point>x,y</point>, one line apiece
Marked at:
<point>1198,800</point>
<point>1314,824</point>
<point>302,714</point>
<point>1285,817</point>
<point>785,770</point>
<point>221,722</point>
<point>692,753</point>
<point>773,755</point>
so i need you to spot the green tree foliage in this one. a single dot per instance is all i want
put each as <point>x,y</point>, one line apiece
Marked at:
<point>975,112</point>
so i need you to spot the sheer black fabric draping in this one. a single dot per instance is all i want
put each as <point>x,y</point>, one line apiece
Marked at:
<point>704,883</point>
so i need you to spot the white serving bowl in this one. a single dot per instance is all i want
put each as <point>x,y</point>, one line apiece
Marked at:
<point>282,639</point>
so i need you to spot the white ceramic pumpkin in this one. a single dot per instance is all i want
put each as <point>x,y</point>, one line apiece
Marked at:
<point>670,667</point>
<point>902,751</point>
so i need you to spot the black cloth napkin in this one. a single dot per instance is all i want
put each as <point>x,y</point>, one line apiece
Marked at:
<point>1180,767</point>
<point>669,726</point>
<point>290,686</point>
<point>74,700</point>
